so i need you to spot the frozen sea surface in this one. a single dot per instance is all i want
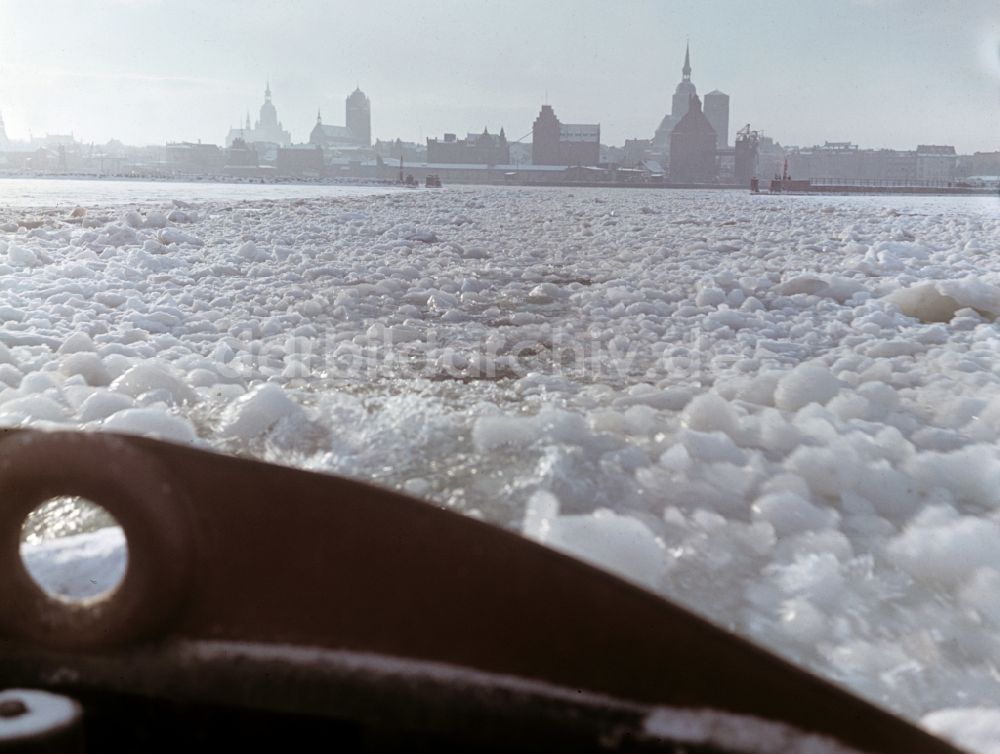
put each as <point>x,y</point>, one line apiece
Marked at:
<point>781,411</point>
<point>71,192</point>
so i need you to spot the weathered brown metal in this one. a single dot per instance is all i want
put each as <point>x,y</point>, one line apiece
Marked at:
<point>132,484</point>
<point>234,550</point>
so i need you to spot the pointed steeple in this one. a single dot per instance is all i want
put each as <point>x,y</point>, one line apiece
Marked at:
<point>267,91</point>
<point>319,117</point>
<point>248,120</point>
<point>686,70</point>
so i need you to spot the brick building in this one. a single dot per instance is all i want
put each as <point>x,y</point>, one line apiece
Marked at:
<point>557,143</point>
<point>358,117</point>
<point>692,147</point>
<point>358,129</point>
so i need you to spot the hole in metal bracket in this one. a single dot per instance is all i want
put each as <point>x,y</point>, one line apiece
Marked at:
<point>74,549</point>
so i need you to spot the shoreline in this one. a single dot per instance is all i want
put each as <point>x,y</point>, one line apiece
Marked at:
<point>813,190</point>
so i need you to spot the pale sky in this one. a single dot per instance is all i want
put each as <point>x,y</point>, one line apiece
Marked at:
<point>881,73</point>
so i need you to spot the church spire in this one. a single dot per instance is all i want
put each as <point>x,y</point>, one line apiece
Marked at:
<point>267,91</point>
<point>686,70</point>
<point>319,117</point>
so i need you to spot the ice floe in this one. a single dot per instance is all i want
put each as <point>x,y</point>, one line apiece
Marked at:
<point>783,412</point>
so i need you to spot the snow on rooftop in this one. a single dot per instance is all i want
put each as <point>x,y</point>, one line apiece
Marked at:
<point>334,131</point>
<point>579,132</point>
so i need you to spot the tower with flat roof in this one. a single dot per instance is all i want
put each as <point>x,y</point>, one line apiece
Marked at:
<point>717,112</point>
<point>358,117</point>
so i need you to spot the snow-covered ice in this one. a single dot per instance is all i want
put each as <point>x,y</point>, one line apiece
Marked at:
<point>80,565</point>
<point>781,411</point>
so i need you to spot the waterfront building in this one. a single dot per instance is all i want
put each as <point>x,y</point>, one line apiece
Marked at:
<point>692,147</point>
<point>482,149</point>
<point>841,161</point>
<point>300,160</point>
<point>557,143</point>
<point>980,163</point>
<point>190,157</point>
<point>936,163</point>
<point>394,149</point>
<point>241,155</point>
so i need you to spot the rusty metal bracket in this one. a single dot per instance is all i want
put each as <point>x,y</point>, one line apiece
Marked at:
<point>226,551</point>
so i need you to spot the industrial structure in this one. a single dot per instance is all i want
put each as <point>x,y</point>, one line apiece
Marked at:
<point>747,148</point>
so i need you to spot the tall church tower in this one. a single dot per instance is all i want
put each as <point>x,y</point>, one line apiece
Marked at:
<point>679,104</point>
<point>269,128</point>
<point>359,117</point>
<point>268,113</point>
<point>685,89</point>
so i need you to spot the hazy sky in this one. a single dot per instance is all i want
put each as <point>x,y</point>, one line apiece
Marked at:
<point>890,73</point>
